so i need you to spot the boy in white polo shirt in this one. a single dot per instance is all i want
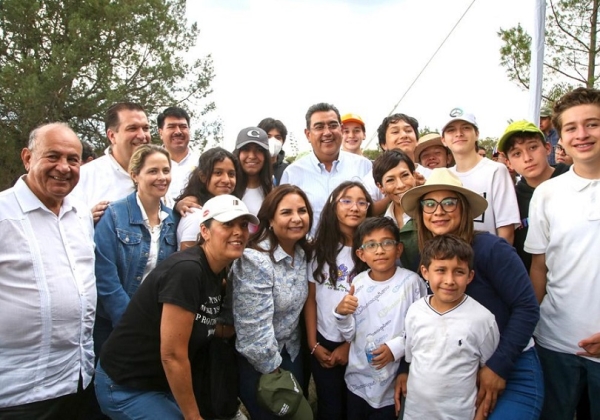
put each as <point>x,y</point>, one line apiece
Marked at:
<point>563,237</point>
<point>484,176</point>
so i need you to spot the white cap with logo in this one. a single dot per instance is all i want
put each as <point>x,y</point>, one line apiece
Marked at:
<point>225,208</point>
<point>458,114</point>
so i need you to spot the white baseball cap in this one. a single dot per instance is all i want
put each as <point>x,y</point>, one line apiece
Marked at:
<point>225,208</point>
<point>458,114</point>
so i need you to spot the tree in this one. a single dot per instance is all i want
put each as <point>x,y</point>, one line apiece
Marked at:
<point>210,134</point>
<point>489,143</point>
<point>69,60</point>
<point>571,48</point>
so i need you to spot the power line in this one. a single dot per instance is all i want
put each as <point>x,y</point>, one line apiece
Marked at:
<point>425,66</point>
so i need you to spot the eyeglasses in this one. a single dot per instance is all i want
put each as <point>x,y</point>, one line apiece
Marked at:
<point>560,149</point>
<point>346,203</point>
<point>449,204</point>
<point>319,127</point>
<point>386,245</point>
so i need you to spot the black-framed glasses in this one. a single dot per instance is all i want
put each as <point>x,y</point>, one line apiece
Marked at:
<point>386,245</point>
<point>332,126</point>
<point>560,149</point>
<point>449,204</point>
<point>347,203</point>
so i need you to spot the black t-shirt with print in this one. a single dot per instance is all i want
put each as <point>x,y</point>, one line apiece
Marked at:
<point>131,355</point>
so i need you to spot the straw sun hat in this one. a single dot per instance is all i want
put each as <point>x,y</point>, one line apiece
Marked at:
<point>442,179</point>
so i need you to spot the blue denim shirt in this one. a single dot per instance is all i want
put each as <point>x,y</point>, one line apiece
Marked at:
<point>122,250</point>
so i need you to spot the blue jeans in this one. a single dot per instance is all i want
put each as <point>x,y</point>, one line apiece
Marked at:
<point>565,378</point>
<point>330,385</point>
<point>249,378</point>
<point>124,403</point>
<point>523,396</point>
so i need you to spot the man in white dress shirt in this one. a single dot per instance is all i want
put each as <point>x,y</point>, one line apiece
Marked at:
<point>47,284</point>
<point>107,178</point>
<point>174,131</point>
<point>326,167</point>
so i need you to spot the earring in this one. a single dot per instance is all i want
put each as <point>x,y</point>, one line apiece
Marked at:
<point>271,228</point>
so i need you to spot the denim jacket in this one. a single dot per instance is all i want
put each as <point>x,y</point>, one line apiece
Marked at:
<point>122,249</point>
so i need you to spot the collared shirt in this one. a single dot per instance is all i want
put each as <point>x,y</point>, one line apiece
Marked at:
<point>268,298</point>
<point>180,174</point>
<point>564,222</point>
<point>47,297</point>
<point>103,179</point>
<point>311,176</point>
<point>154,236</point>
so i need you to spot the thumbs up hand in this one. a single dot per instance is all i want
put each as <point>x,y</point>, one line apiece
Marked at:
<point>348,304</point>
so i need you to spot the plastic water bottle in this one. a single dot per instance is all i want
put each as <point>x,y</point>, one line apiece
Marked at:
<point>377,374</point>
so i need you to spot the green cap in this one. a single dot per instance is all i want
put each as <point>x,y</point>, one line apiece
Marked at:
<point>545,112</point>
<point>522,126</point>
<point>281,395</point>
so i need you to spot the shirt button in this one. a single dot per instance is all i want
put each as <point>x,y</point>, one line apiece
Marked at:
<point>127,239</point>
<point>139,278</point>
<point>145,254</point>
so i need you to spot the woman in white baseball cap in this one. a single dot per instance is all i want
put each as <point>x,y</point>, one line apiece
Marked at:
<point>147,365</point>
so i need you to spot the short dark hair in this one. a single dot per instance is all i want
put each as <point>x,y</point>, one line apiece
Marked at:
<point>579,96</point>
<point>321,107</point>
<point>269,124</point>
<point>174,112</point>
<point>519,138</point>
<point>389,160</point>
<point>447,247</point>
<point>369,225</point>
<point>111,118</point>
<point>394,119</point>
<point>87,151</point>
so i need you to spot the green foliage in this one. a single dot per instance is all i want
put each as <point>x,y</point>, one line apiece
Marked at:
<point>571,48</point>
<point>426,130</point>
<point>489,143</point>
<point>69,60</point>
<point>372,154</point>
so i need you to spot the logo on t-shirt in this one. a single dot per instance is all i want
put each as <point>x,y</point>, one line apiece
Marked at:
<point>481,219</point>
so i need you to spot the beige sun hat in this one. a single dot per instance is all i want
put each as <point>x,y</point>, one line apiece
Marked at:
<point>442,179</point>
<point>428,140</point>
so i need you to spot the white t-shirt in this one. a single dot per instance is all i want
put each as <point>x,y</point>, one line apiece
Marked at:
<point>189,227</point>
<point>492,181</point>
<point>564,224</point>
<point>180,174</point>
<point>102,179</point>
<point>253,198</point>
<point>446,351</point>
<point>382,307</point>
<point>328,296</point>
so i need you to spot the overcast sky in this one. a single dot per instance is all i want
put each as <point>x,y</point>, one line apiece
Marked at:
<point>275,58</point>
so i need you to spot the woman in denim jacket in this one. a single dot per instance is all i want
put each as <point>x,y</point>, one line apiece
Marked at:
<point>134,235</point>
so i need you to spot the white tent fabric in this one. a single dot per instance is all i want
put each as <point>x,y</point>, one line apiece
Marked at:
<point>537,61</point>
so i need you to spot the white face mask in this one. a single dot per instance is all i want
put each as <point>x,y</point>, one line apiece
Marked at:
<point>274,146</point>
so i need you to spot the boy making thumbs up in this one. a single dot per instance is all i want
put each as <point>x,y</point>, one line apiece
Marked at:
<point>372,314</point>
